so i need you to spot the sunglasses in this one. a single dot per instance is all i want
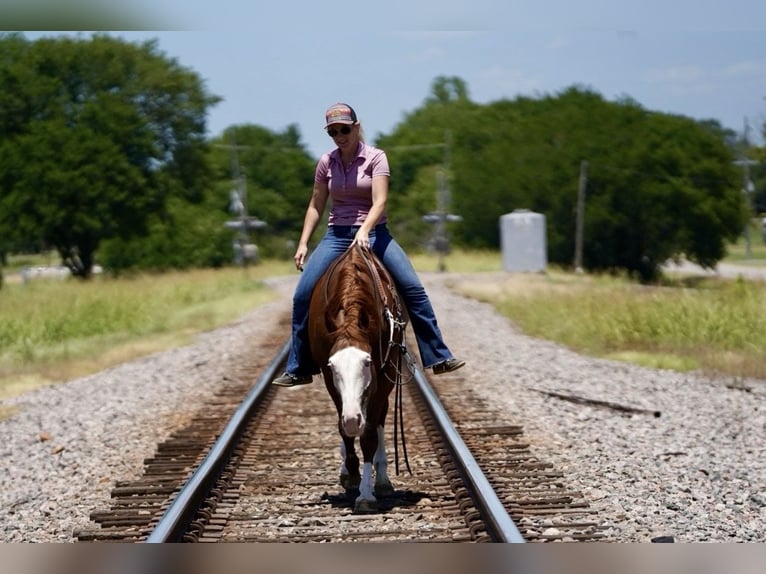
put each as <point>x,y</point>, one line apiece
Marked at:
<point>345,130</point>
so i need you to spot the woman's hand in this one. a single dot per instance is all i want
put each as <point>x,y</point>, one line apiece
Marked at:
<point>362,238</point>
<point>300,256</point>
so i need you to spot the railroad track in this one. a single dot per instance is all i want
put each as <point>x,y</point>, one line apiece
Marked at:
<point>266,470</point>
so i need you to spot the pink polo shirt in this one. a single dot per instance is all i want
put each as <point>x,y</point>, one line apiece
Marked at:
<point>351,187</point>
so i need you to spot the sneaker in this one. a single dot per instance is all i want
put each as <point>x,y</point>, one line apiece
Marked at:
<point>290,380</point>
<point>448,366</point>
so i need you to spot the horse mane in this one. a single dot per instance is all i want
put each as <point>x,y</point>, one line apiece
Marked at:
<point>353,305</point>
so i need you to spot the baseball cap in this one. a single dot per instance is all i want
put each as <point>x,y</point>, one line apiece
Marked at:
<point>339,114</point>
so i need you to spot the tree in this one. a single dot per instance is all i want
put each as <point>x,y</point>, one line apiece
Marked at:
<point>659,186</point>
<point>758,176</point>
<point>448,89</point>
<point>95,137</point>
<point>278,171</point>
<point>419,150</point>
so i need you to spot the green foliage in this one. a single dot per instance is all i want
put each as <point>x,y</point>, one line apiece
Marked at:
<point>95,137</point>
<point>102,151</point>
<point>658,186</point>
<point>758,196</point>
<point>96,324</point>
<point>417,151</point>
<point>187,236</point>
<point>718,325</point>
<point>758,175</point>
<point>278,174</point>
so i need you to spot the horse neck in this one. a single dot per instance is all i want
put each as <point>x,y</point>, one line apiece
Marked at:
<point>358,304</point>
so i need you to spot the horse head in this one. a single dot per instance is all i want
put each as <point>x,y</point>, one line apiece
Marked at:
<point>352,376</point>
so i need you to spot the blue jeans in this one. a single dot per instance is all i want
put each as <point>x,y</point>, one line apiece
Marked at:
<point>422,317</point>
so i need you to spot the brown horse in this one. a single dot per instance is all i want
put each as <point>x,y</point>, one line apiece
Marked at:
<point>356,332</point>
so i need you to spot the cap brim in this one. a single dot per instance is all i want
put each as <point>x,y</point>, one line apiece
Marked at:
<point>347,122</point>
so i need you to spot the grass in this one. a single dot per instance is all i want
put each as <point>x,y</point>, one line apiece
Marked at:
<point>717,326</point>
<point>705,323</point>
<point>737,252</point>
<point>458,260</point>
<point>57,330</point>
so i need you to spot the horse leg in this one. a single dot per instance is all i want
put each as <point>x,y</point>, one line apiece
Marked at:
<point>349,470</point>
<point>383,486</point>
<point>366,501</point>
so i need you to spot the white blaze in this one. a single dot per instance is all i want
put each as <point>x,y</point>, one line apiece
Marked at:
<point>351,376</point>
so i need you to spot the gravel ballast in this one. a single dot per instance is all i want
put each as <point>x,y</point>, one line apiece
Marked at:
<point>696,472</point>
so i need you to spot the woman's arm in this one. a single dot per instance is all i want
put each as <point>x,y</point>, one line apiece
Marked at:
<point>313,215</point>
<point>379,199</point>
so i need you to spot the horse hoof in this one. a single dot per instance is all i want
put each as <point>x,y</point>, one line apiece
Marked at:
<point>384,490</point>
<point>348,483</point>
<point>365,506</point>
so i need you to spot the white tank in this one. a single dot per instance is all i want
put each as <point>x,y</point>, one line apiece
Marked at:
<point>522,241</point>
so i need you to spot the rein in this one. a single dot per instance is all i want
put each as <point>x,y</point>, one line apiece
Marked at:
<point>392,320</point>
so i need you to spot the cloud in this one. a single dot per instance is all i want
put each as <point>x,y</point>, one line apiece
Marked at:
<point>747,69</point>
<point>685,80</point>
<point>499,82</point>
<point>681,80</point>
<point>429,54</point>
<point>559,42</point>
<point>436,33</point>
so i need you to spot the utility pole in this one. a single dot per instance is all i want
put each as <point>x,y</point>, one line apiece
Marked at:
<point>244,249</point>
<point>440,217</point>
<point>241,183</point>
<point>440,237</point>
<point>747,187</point>
<point>580,216</point>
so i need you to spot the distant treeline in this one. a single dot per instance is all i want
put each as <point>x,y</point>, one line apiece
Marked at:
<point>103,157</point>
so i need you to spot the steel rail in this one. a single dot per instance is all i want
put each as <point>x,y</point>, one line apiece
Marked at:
<point>175,521</point>
<point>501,525</point>
<point>173,524</point>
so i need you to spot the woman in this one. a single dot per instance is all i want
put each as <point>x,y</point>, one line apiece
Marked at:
<point>355,175</point>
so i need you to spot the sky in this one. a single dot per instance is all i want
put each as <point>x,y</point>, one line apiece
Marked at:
<point>284,62</point>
